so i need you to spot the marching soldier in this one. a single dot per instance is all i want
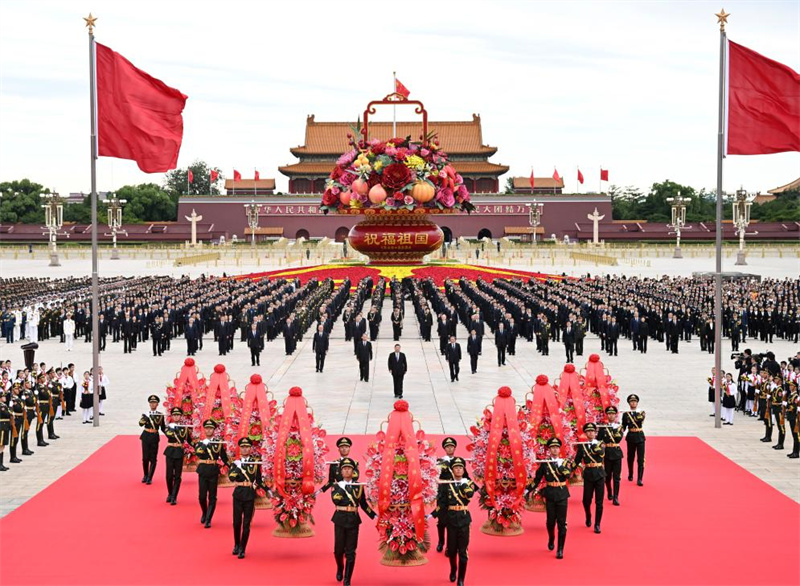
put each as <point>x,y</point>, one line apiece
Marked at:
<point>209,454</point>
<point>31,413</point>
<point>792,400</point>
<point>348,497</point>
<point>56,399</point>
<point>778,400</point>
<point>177,435</point>
<point>41,402</point>
<point>5,429</point>
<point>556,475</point>
<point>17,408</point>
<point>246,477</point>
<point>633,421</point>
<point>611,436</point>
<point>452,505</point>
<point>592,455</point>
<point>334,473</point>
<point>449,444</point>
<point>764,396</point>
<point>151,422</point>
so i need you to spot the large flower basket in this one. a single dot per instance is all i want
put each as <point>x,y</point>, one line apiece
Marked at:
<point>502,445</point>
<point>262,501</point>
<point>535,504</point>
<point>401,477</point>
<point>221,403</point>
<point>600,390</point>
<point>295,454</point>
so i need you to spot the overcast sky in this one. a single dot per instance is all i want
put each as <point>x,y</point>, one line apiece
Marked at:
<point>631,86</point>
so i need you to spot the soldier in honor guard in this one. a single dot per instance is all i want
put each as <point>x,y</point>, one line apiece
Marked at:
<point>764,395</point>
<point>31,413</point>
<point>592,455</point>
<point>449,444</point>
<point>56,398</point>
<point>556,474</point>
<point>17,408</point>
<point>5,429</point>
<point>209,454</point>
<point>151,422</point>
<point>41,395</point>
<point>246,477</point>
<point>177,435</point>
<point>778,401</point>
<point>611,436</point>
<point>452,506</point>
<point>334,473</point>
<point>633,421</point>
<point>347,497</point>
<point>792,401</point>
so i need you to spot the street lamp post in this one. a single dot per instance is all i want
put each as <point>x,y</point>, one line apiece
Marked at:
<point>535,210</point>
<point>741,219</point>
<point>678,220</point>
<point>54,220</point>
<point>251,209</point>
<point>115,221</point>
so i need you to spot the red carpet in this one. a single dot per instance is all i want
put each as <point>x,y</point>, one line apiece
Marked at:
<point>698,520</point>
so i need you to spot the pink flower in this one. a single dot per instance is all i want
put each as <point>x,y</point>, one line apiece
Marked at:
<point>347,158</point>
<point>390,202</point>
<point>445,197</point>
<point>408,200</point>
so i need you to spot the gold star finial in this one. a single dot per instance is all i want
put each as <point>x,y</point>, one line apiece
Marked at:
<point>722,19</point>
<point>90,20</point>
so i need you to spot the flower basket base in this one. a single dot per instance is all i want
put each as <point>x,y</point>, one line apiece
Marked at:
<point>576,481</point>
<point>535,507</point>
<point>224,481</point>
<point>408,559</point>
<point>299,531</point>
<point>512,530</point>
<point>190,467</point>
<point>396,238</point>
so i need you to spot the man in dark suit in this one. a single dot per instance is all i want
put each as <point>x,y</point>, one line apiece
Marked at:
<point>453,355</point>
<point>398,367</point>
<point>474,348</point>
<point>290,335</point>
<point>644,334</point>
<point>320,346</point>
<point>192,335</point>
<point>255,341</point>
<point>364,355</point>
<point>569,341</point>
<point>501,341</point>
<point>358,329</point>
<point>612,336</point>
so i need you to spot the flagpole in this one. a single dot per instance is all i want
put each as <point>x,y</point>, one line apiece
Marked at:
<point>600,183</point>
<point>722,19</point>
<point>394,107</point>
<point>90,23</point>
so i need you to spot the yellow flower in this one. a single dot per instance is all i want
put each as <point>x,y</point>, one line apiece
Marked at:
<point>377,166</point>
<point>415,162</point>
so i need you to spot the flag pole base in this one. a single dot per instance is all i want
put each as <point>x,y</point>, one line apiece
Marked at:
<point>741,258</point>
<point>54,260</point>
<point>677,253</point>
<point>114,254</point>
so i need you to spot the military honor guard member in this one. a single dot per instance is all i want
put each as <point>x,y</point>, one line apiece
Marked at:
<point>41,401</point>
<point>246,477</point>
<point>344,444</point>
<point>452,505</point>
<point>611,436</point>
<point>5,429</point>
<point>209,455</point>
<point>177,435</point>
<point>151,423</point>
<point>633,421</point>
<point>556,473</point>
<point>764,396</point>
<point>347,496</point>
<point>449,444</point>
<point>792,401</point>
<point>777,401</point>
<point>592,455</point>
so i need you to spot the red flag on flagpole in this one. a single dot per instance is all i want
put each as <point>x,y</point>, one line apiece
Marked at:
<point>213,175</point>
<point>257,177</point>
<point>580,177</point>
<point>399,88</point>
<point>603,174</point>
<point>138,116</point>
<point>532,181</point>
<point>556,176</point>
<point>763,104</point>
<point>236,175</point>
<point>191,176</point>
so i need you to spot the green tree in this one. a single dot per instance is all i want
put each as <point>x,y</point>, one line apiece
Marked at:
<point>784,208</point>
<point>509,186</point>
<point>21,202</point>
<point>81,213</point>
<point>176,185</point>
<point>625,202</point>
<point>147,203</point>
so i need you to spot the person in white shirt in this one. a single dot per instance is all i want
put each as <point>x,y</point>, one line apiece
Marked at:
<point>104,382</point>
<point>728,399</point>
<point>33,326</point>
<point>69,386</point>
<point>69,332</point>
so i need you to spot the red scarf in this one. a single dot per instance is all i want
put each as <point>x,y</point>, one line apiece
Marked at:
<point>294,409</point>
<point>505,416</point>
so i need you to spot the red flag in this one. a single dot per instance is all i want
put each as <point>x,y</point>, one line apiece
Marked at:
<point>138,116</point>
<point>763,104</point>
<point>532,179</point>
<point>399,88</point>
<point>191,176</point>
<point>556,176</point>
<point>257,177</point>
<point>580,177</point>
<point>236,175</point>
<point>603,174</point>
<point>214,175</point>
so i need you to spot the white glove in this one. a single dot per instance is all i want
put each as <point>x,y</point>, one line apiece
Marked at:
<point>342,483</point>
<point>36,393</point>
<point>785,403</point>
<point>237,462</point>
<point>429,516</point>
<point>171,426</point>
<point>464,481</point>
<point>205,442</point>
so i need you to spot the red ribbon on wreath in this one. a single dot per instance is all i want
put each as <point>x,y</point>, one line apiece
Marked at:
<point>294,408</point>
<point>544,396</point>
<point>570,386</point>
<point>255,397</point>
<point>219,383</point>
<point>400,432</point>
<point>505,416</point>
<point>596,378</point>
<point>188,375</point>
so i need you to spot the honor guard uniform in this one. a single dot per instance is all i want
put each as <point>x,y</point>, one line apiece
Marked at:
<point>452,506</point>
<point>556,475</point>
<point>41,396</point>
<point>334,475</point>
<point>611,436</point>
<point>246,478</point>
<point>778,401</point>
<point>177,435</point>
<point>449,444</point>
<point>592,455</point>
<point>151,422</point>
<point>763,405</point>
<point>56,397</point>
<point>792,400</point>
<point>347,498</point>
<point>5,429</point>
<point>209,455</point>
<point>31,413</point>
<point>633,421</point>
<point>17,406</point>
